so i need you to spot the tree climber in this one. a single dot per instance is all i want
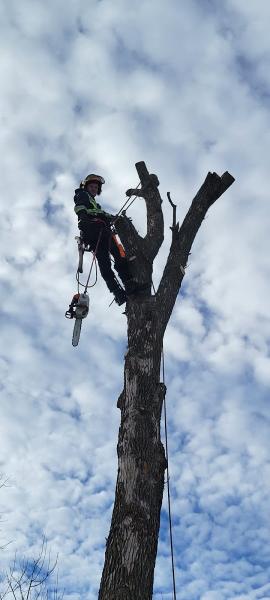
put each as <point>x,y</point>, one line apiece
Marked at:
<point>95,224</point>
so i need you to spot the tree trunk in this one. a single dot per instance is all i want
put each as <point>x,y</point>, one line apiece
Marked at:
<point>131,547</point>
<point>132,543</point>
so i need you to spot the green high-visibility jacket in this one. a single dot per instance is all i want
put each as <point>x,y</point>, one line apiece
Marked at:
<point>85,204</point>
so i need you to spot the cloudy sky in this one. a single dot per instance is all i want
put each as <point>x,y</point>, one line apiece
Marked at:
<point>94,86</point>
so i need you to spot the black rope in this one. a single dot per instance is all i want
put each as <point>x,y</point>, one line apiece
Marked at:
<point>123,207</point>
<point>83,284</point>
<point>93,261</point>
<point>168,472</point>
<point>168,477</point>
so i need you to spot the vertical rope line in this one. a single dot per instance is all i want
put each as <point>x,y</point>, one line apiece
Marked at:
<point>94,258</point>
<point>168,478</point>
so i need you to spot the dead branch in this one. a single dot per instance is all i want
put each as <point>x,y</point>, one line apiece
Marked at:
<point>212,188</point>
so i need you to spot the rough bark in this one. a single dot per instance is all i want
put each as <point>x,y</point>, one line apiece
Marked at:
<point>131,547</point>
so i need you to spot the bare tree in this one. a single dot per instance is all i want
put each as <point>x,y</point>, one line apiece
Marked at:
<point>30,579</point>
<point>4,482</point>
<point>131,547</point>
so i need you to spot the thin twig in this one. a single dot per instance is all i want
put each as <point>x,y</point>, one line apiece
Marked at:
<point>174,207</point>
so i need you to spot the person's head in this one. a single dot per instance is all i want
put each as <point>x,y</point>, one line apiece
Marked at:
<point>92,184</point>
<point>93,187</point>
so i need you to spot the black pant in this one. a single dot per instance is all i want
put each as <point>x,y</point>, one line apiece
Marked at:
<point>99,237</point>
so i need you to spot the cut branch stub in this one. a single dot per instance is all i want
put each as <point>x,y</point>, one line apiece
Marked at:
<point>142,172</point>
<point>147,180</point>
<point>214,186</point>
<point>135,192</point>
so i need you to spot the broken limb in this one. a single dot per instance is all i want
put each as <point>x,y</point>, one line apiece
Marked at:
<point>182,240</point>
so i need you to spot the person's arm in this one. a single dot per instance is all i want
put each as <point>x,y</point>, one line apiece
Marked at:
<point>104,214</point>
<point>84,207</point>
<point>82,203</point>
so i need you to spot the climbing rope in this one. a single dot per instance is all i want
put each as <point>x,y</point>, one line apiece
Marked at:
<point>168,471</point>
<point>94,262</point>
<point>168,476</point>
<point>118,215</point>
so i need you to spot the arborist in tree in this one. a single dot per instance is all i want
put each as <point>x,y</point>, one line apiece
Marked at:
<point>95,225</point>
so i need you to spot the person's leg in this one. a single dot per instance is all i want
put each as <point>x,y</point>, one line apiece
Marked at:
<point>98,237</point>
<point>104,262</point>
<point>95,236</point>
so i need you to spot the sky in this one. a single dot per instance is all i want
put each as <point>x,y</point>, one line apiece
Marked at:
<point>95,87</point>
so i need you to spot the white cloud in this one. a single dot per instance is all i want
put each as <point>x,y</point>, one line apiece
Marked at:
<point>99,87</point>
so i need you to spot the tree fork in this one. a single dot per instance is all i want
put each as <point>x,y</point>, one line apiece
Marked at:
<point>131,547</point>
